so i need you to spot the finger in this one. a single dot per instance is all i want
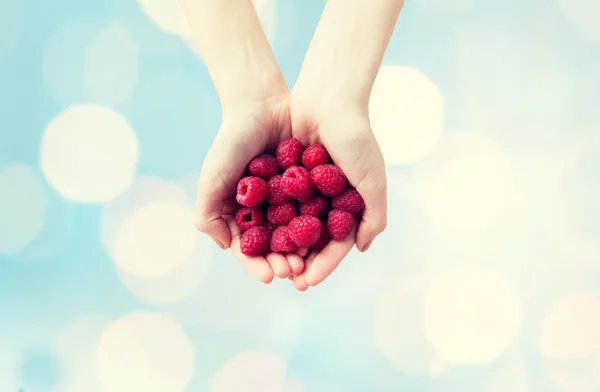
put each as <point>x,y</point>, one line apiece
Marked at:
<point>296,263</point>
<point>300,280</point>
<point>302,252</point>
<point>374,217</point>
<point>291,277</point>
<point>329,258</point>
<point>258,266</point>
<point>279,264</point>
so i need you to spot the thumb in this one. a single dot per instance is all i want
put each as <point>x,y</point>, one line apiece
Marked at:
<point>373,189</point>
<point>209,220</point>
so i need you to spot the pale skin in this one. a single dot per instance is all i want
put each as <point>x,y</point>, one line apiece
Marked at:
<point>328,105</point>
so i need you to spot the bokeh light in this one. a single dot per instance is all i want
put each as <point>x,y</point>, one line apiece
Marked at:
<point>471,315</point>
<point>571,330</point>
<point>8,372</point>
<point>111,65</point>
<point>407,114</point>
<point>144,351</point>
<point>251,372</point>
<point>466,185</point>
<point>89,153</point>
<point>510,376</point>
<point>583,15</point>
<point>22,207</point>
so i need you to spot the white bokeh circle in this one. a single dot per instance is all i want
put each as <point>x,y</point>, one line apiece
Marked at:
<point>8,372</point>
<point>466,185</point>
<point>511,376</point>
<point>471,316</point>
<point>89,153</point>
<point>23,205</point>
<point>251,371</point>
<point>571,330</point>
<point>407,114</point>
<point>144,351</point>
<point>111,65</point>
<point>166,15</point>
<point>583,15</point>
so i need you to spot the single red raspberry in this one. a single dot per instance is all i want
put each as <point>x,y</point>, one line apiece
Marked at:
<point>281,242</point>
<point>276,195</point>
<point>264,166</point>
<point>305,230</point>
<point>316,206</point>
<point>248,217</point>
<point>295,182</point>
<point>322,241</point>
<point>350,201</point>
<point>282,215</point>
<point>270,227</point>
<point>251,191</point>
<point>339,224</point>
<point>329,179</point>
<point>315,155</point>
<point>289,153</point>
<point>255,241</point>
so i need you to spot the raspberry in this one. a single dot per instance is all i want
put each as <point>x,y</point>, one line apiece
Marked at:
<point>295,182</point>
<point>281,242</point>
<point>339,224</point>
<point>270,227</point>
<point>289,153</point>
<point>276,194</point>
<point>305,230</point>
<point>314,156</point>
<point>255,241</point>
<point>322,241</point>
<point>264,166</point>
<point>251,191</point>
<point>282,215</point>
<point>316,206</point>
<point>248,217</point>
<point>329,179</point>
<point>349,201</point>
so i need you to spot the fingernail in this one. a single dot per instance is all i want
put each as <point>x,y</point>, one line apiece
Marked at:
<point>367,246</point>
<point>219,244</point>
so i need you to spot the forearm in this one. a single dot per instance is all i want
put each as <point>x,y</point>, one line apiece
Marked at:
<point>234,47</point>
<point>349,45</point>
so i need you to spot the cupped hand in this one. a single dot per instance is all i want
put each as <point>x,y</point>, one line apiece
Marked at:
<point>345,130</point>
<point>247,130</point>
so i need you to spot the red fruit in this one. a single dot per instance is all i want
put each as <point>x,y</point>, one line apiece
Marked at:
<point>289,153</point>
<point>248,217</point>
<point>282,215</point>
<point>276,195</point>
<point>315,155</point>
<point>329,179</point>
<point>316,206</point>
<point>251,191</point>
<point>270,227</point>
<point>305,230</point>
<point>296,183</point>
<point>322,241</point>
<point>349,201</point>
<point>339,224</point>
<point>264,166</point>
<point>281,242</point>
<point>255,241</point>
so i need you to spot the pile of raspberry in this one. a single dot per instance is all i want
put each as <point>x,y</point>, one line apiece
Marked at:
<point>295,199</point>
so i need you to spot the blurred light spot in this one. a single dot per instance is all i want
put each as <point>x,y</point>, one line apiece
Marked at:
<point>511,376</point>
<point>143,351</point>
<point>89,154</point>
<point>8,372</point>
<point>399,328</point>
<point>438,365</point>
<point>466,185</point>
<point>583,15</point>
<point>40,369</point>
<point>407,114</point>
<point>22,207</point>
<point>76,346</point>
<point>154,239</point>
<point>251,372</point>
<point>166,15</point>
<point>295,386</point>
<point>571,330</point>
<point>471,316</point>
<point>111,65</point>
<point>574,376</point>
